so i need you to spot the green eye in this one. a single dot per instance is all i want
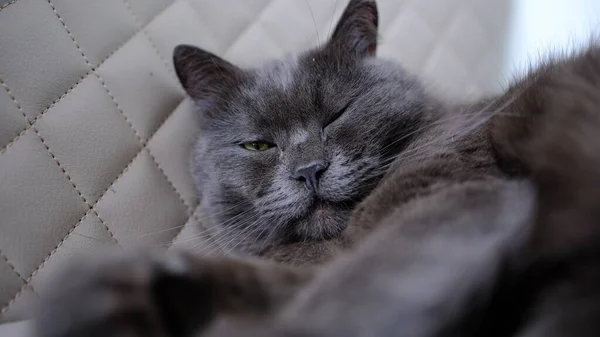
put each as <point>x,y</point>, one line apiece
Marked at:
<point>257,146</point>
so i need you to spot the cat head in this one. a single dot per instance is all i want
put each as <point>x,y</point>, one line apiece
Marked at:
<point>288,148</point>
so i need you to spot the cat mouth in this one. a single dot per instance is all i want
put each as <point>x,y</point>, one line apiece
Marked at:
<point>319,203</point>
<point>319,206</point>
<point>321,220</point>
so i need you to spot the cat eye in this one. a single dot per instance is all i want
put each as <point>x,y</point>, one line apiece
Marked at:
<point>257,146</point>
<point>338,115</point>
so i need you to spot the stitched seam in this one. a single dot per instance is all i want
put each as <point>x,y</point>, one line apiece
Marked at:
<point>103,195</point>
<point>12,266</point>
<point>14,299</point>
<point>93,209</point>
<point>15,139</point>
<point>37,269</point>
<point>53,104</point>
<point>26,282</point>
<point>181,199</point>
<point>193,215</point>
<point>145,145</point>
<point>241,35</point>
<point>18,105</point>
<point>30,123</point>
<point>70,35</point>
<point>42,140</point>
<point>13,98</point>
<point>90,207</point>
<point>134,157</point>
<point>437,47</point>
<point>142,142</point>
<point>78,82</point>
<point>134,35</point>
<point>48,147</point>
<point>246,29</point>
<point>142,28</point>
<point>7,4</point>
<point>166,63</point>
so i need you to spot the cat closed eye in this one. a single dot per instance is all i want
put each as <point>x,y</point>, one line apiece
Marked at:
<point>338,115</point>
<point>257,146</point>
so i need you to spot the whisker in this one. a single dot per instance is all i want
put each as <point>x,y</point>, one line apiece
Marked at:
<point>250,232</point>
<point>332,18</point>
<point>224,237</point>
<point>219,228</point>
<point>413,153</point>
<point>264,229</point>
<point>439,122</point>
<point>474,116</point>
<point>314,21</point>
<point>89,237</point>
<point>193,219</point>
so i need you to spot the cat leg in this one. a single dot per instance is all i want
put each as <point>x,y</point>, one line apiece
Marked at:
<point>175,294</point>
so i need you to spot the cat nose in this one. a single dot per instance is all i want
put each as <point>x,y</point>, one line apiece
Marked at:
<point>310,174</point>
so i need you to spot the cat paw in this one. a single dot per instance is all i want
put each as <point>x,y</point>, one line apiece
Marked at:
<point>135,294</point>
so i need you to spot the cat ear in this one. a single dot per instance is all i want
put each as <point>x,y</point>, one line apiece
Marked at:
<point>356,32</point>
<point>202,74</point>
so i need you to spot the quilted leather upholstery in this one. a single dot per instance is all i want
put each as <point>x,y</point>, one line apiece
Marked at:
<point>95,130</point>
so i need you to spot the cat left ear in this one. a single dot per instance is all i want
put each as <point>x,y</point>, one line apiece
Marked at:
<point>356,32</point>
<point>202,74</point>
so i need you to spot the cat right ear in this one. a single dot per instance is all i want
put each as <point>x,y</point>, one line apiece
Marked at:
<point>203,75</point>
<point>356,32</point>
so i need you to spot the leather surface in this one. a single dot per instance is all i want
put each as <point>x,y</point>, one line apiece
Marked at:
<point>95,130</point>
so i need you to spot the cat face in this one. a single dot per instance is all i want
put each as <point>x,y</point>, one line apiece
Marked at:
<point>289,147</point>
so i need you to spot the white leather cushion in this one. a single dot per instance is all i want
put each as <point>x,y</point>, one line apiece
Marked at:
<point>95,131</point>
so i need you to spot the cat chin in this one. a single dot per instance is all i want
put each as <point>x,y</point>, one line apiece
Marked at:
<point>324,220</point>
<point>320,220</point>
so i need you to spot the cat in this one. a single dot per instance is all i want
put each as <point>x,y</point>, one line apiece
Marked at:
<point>288,149</point>
<point>486,224</point>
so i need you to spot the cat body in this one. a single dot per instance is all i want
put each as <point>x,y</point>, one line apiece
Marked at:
<point>483,223</point>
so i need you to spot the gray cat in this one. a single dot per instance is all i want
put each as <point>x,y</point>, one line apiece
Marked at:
<point>486,222</point>
<point>288,149</point>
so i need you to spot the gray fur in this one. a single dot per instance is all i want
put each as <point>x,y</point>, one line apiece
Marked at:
<point>490,230</point>
<point>251,198</point>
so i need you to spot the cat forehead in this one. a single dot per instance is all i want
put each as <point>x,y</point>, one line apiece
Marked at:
<point>301,71</point>
<point>309,69</point>
<point>279,73</point>
<point>279,95</point>
<point>298,90</point>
